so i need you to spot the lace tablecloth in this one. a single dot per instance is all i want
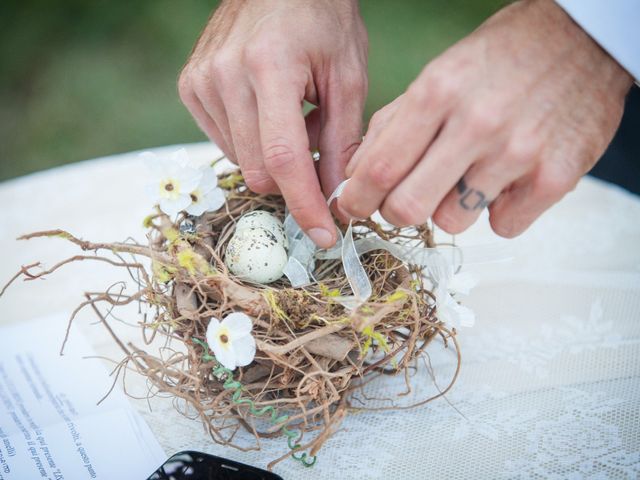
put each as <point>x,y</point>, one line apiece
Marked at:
<point>550,380</point>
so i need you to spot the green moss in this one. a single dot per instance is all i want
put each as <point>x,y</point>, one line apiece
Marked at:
<point>370,335</point>
<point>397,296</point>
<point>171,234</point>
<point>271,299</point>
<point>231,181</point>
<point>327,292</point>
<point>193,262</point>
<point>162,273</point>
<point>148,221</point>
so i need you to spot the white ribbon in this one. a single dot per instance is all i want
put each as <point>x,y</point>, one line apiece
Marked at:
<point>302,254</point>
<point>439,261</point>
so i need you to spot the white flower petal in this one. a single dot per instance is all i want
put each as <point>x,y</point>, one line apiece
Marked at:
<point>214,199</point>
<point>189,179</point>
<point>212,331</point>
<point>462,283</point>
<point>209,179</point>
<point>173,207</point>
<point>180,157</point>
<point>440,269</point>
<point>239,325</point>
<point>196,208</point>
<point>464,316</point>
<point>225,355</point>
<point>443,305</point>
<point>451,312</point>
<point>245,350</point>
<point>157,166</point>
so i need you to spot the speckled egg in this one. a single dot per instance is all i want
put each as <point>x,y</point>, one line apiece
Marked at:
<point>256,255</point>
<point>266,220</point>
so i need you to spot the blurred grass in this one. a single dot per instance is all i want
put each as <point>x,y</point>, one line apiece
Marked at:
<point>83,79</point>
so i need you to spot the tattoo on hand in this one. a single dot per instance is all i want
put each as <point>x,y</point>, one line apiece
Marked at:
<point>471,199</point>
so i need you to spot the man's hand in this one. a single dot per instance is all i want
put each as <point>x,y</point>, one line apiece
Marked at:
<point>510,118</point>
<point>245,82</point>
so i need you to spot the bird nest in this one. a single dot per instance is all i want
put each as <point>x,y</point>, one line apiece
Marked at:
<point>312,353</point>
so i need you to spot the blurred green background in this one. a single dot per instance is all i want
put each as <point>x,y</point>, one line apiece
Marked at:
<point>81,79</point>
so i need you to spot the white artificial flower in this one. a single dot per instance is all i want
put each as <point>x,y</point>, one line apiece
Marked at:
<point>462,283</point>
<point>231,340</point>
<point>450,311</point>
<point>207,196</point>
<point>172,180</point>
<point>447,283</point>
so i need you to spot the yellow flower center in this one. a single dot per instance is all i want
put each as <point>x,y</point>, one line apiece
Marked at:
<point>223,337</point>
<point>169,188</point>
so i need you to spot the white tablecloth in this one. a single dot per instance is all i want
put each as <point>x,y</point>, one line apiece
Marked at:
<point>550,381</point>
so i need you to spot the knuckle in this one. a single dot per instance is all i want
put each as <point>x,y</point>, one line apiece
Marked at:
<point>258,181</point>
<point>483,118</point>
<point>354,207</point>
<point>377,119</point>
<point>448,221</point>
<point>522,148</point>
<point>381,117</point>
<point>304,216</point>
<point>279,158</point>
<point>421,95</point>
<point>551,185</point>
<point>199,83</point>
<point>356,210</point>
<point>220,69</point>
<point>256,55</point>
<point>435,89</point>
<point>402,210</point>
<point>263,54</point>
<point>184,86</point>
<point>380,173</point>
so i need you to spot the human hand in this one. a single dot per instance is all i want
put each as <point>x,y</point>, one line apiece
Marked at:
<point>510,118</point>
<point>245,82</point>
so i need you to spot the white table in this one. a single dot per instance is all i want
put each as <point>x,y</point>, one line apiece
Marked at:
<point>550,383</point>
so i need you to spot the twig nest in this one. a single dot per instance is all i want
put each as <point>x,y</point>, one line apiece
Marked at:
<point>256,255</point>
<point>266,220</point>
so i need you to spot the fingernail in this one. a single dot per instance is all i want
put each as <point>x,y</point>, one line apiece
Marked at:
<point>321,237</point>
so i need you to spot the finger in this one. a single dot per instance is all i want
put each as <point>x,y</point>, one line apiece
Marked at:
<point>204,122</point>
<point>471,194</point>
<point>243,125</point>
<point>528,198</point>
<point>415,199</point>
<point>480,185</point>
<point>285,148</point>
<point>208,96</point>
<point>392,154</point>
<point>341,132</point>
<point>312,122</point>
<point>377,123</point>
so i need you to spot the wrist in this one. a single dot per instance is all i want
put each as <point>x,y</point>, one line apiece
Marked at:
<point>586,50</point>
